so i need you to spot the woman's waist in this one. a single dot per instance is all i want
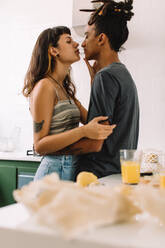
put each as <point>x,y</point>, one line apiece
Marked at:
<point>60,157</point>
<point>56,129</point>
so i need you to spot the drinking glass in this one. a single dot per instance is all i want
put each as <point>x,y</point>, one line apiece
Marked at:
<point>162,170</point>
<point>130,166</point>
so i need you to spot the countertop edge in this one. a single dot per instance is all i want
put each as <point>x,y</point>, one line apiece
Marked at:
<point>19,157</point>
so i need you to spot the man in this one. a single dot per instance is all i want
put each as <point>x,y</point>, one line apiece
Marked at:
<point>113,92</point>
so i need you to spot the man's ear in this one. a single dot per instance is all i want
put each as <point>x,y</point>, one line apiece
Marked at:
<point>53,51</point>
<point>101,39</point>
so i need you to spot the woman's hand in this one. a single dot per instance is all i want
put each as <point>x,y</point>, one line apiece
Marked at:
<point>93,69</point>
<point>94,130</point>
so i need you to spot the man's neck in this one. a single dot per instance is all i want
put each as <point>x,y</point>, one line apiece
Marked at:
<point>106,58</point>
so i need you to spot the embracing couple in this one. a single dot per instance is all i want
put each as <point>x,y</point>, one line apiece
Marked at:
<point>112,120</point>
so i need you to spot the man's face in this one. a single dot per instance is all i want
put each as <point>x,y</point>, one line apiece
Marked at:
<point>90,43</point>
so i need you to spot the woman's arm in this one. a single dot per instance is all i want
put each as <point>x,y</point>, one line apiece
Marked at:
<point>83,146</point>
<point>83,112</point>
<point>41,105</point>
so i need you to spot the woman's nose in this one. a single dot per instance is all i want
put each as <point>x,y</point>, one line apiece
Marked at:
<point>76,44</point>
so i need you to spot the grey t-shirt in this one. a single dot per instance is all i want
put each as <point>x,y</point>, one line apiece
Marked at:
<point>113,94</point>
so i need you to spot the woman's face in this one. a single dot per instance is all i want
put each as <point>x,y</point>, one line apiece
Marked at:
<point>67,49</point>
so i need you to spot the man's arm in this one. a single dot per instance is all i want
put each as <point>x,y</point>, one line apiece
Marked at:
<point>83,146</point>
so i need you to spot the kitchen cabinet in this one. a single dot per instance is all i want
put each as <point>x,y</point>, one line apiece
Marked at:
<point>13,175</point>
<point>7,184</point>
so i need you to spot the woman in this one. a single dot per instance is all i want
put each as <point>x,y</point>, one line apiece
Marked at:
<point>54,108</point>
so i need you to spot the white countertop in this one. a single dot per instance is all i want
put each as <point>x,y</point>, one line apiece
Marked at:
<point>19,156</point>
<point>17,232</point>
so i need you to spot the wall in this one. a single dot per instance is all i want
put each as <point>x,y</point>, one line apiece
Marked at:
<point>20,24</point>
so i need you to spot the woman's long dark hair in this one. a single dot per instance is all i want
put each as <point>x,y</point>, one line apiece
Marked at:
<point>111,18</point>
<point>42,63</point>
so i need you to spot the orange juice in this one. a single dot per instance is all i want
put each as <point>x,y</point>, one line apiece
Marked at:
<point>130,172</point>
<point>162,181</point>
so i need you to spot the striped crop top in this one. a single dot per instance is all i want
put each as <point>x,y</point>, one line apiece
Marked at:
<point>66,116</point>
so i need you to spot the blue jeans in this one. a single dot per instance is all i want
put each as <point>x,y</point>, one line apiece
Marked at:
<point>62,165</point>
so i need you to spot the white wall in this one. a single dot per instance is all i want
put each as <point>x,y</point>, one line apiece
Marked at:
<point>20,24</point>
<point>22,21</point>
<point>145,58</point>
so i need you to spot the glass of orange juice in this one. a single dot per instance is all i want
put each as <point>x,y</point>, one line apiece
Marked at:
<point>162,179</point>
<point>162,170</point>
<point>130,166</point>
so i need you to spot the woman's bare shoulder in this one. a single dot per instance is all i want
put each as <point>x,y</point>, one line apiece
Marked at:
<point>42,90</point>
<point>43,86</point>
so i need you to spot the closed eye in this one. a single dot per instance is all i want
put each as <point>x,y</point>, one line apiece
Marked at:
<point>68,39</point>
<point>86,36</point>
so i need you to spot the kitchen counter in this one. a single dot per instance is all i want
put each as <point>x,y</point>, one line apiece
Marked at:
<point>19,156</point>
<point>16,231</point>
